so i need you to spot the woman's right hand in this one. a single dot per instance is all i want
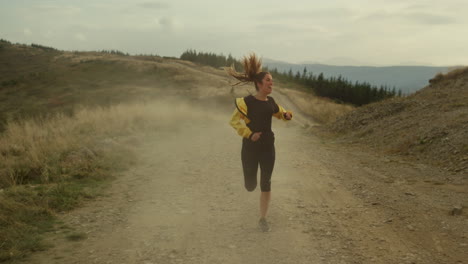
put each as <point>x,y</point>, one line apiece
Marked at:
<point>255,136</point>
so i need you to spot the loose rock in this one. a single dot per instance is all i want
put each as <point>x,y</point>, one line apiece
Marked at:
<point>457,210</point>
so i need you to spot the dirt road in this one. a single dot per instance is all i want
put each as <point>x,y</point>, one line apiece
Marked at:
<point>185,203</point>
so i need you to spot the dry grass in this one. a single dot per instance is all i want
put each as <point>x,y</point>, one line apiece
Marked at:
<point>453,74</point>
<point>429,125</point>
<point>37,150</point>
<point>51,165</point>
<point>320,109</point>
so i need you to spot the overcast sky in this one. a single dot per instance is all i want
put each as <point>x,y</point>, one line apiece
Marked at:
<point>351,32</point>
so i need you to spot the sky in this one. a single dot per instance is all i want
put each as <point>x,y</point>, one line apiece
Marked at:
<point>338,32</point>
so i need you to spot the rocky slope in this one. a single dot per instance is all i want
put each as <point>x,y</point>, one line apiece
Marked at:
<point>430,125</point>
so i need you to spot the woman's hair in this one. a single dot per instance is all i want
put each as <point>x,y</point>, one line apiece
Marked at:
<point>252,71</point>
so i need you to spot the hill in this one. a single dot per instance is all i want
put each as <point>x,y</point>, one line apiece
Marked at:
<point>38,80</point>
<point>408,79</point>
<point>430,125</point>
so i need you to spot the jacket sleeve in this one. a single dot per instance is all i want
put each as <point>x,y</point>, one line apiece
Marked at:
<point>239,125</point>
<point>281,112</point>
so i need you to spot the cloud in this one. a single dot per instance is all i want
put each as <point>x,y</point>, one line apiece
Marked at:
<point>166,22</point>
<point>27,32</point>
<point>47,9</point>
<point>312,14</point>
<point>422,18</point>
<point>154,5</point>
<point>429,19</point>
<point>288,29</point>
<point>169,24</point>
<point>48,34</point>
<point>81,37</point>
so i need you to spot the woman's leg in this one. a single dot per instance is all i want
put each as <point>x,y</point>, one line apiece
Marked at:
<point>267,162</point>
<point>264,202</point>
<point>249,159</point>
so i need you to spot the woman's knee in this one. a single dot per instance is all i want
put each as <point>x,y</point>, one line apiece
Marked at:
<point>265,187</point>
<point>250,187</point>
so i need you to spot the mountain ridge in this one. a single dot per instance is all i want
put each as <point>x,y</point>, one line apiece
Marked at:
<point>408,79</point>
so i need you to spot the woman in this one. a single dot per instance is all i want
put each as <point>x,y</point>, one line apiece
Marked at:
<point>258,147</point>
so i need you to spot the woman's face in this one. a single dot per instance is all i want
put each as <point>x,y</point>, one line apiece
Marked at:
<point>266,87</point>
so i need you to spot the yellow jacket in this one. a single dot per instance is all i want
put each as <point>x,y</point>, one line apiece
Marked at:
<point>240,113</point>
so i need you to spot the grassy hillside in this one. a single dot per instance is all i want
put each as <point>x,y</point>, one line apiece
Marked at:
<point>36,81</point>
<point>431,125</point>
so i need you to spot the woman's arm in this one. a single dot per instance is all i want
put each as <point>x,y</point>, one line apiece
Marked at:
<point>239,126</point>
<point>283,114</point>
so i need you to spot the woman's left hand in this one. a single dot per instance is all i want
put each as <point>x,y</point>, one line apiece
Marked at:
<point>287,116</point>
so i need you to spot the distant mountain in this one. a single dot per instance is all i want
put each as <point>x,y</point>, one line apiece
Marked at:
<point>408,79</point>
<point>340,61</point>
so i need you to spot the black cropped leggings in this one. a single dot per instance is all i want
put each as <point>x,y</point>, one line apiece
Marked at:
<point>254,154</point>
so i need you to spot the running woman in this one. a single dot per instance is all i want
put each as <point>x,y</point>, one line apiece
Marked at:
<point>252,121</point>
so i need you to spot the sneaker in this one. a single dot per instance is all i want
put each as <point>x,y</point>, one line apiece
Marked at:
<point>263,224</point>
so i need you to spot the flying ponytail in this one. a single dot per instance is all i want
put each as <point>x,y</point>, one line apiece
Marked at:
<point>252,71</point>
